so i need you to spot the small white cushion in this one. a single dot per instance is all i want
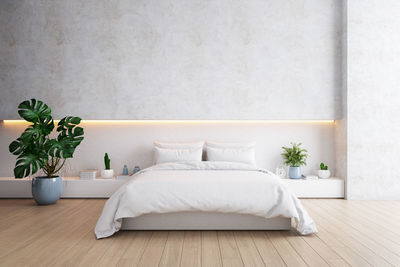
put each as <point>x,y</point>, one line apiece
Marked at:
<point>163,155</point>
<point>231,145</point>
<point>191,145</point>
<point>240,154</point>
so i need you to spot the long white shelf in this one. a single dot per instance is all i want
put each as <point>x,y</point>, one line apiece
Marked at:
<point>73,187</point>
<point>322,188</point>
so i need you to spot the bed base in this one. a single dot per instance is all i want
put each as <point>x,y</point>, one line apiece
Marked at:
<point>204,221</point>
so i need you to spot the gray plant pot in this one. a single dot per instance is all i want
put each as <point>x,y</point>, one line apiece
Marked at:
<point>295,172</point>
<point>46,191</point>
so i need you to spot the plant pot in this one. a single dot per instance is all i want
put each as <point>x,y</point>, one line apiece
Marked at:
<point>107,174</point>
<point>324,174</point>
<point>46,191</point>
<point>295,172</point>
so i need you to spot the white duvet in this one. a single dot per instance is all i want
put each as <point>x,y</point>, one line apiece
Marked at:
<point>203,186</point>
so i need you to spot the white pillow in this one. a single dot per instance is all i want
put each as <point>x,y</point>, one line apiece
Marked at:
<point>179,145</point>
<point>163,155</point>
<point>238,154</point>
<point>231,145</point>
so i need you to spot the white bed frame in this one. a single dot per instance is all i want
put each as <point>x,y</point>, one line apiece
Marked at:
<point>204,221</point>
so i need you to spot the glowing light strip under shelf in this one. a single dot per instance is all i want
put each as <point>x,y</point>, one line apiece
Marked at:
<point>105,122</point>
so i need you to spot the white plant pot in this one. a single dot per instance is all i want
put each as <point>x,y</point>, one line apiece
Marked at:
<point>324,174</point>
<point>107,174</point>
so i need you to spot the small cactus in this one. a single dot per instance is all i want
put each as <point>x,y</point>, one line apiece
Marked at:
<point>107,161</point>
<point>323,166</point>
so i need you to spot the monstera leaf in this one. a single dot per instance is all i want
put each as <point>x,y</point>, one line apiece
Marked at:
<point>69,138</point>
<point>37,132</point>
<point>18,146</point>
<point>29,164</point>
<point>34,111</point>
<point>67,124</point>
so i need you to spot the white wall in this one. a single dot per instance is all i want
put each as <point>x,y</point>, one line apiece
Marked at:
<point>373,89</point>
<point>340,128</point>
<point>132,143</point>
<point>188,59</point>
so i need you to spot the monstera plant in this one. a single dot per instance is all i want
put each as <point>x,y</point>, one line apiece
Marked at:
<point>36,150</point>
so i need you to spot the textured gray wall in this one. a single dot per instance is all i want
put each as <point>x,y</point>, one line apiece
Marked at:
<point>373,94</point>
<point>188,59</point>
<point>340,129</point>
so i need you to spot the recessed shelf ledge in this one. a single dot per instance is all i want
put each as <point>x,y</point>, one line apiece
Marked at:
<point>11,122</point>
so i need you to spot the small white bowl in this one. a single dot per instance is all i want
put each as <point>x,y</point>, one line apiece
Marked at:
<point>324,174</point>
<point>107,174</point>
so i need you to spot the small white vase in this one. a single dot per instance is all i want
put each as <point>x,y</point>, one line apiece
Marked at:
<point>107,174</point>
<point>324,174</point>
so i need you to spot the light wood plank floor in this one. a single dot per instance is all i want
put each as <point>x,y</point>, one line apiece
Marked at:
<point>351,233</point>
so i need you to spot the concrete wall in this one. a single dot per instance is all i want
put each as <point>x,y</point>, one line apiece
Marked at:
<point>191,59</point>
<point>340,128</point>
<point>373,94</point>
<point>226,59</point>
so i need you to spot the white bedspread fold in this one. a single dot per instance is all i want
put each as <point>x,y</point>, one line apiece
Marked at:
<point>203,186</point>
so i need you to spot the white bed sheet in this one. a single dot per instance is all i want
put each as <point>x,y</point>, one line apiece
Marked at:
<point>203,186</point>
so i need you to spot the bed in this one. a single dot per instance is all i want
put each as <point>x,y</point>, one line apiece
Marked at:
<point>203,196</point>
<point>200,220</point>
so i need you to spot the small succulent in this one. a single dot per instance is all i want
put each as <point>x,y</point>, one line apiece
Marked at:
<point>323,166</point>
<point>107,161</point>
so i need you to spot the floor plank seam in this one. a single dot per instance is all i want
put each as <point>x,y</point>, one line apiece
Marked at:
<point>277,250</point>
<point>258,250</point>
<point>237,246</point>
<point>183,245</point>
<point>165,244</point>
<point>145,247</point>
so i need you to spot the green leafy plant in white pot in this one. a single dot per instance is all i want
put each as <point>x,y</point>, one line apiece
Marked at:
<point>295,157</point>
<point>323,172</point>
<point>35,150</point>
<point>107,173</point>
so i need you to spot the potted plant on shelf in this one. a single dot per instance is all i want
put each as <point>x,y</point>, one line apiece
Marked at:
<point>323,172</point>
<point>107,173</point>
<point>35,150</point>
<point>294,157</point>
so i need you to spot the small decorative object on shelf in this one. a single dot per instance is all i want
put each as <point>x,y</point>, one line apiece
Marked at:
<point>107,173</point>
<point>280,171</point>
<point>136,169</point>
<point>323,172</point>
<point>294,157</point>
<point>311,177</point>
<point>125,170</point>
<point>88,174</point>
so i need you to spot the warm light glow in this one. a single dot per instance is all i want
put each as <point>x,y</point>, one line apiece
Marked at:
<point>105,122</point>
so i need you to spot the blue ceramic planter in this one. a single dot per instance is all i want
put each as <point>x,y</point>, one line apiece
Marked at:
<point>46,191</point>
<point>294,172</point>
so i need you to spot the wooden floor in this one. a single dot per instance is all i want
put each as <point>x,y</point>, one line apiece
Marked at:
<point>351,233</point>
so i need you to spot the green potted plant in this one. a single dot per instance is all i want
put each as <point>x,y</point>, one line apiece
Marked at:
<point>107,173</point>
<point>35,150</point>
<point>294,157</point>
<point>323,172</point>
